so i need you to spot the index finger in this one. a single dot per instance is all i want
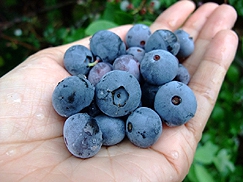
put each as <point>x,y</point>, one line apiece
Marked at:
<point>173,17</point>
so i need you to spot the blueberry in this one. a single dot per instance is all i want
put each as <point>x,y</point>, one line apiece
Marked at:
<point>77,59</point>
<point>176,103</point>
<point>107,46</point>
<point>71,95</point>
<point>183,75</point>
<point>137,36</point>
<point>148,94</point>
<point>96,72</point>
<point>163,39</point>
<point>136,52</point>
<point>92,109</point>
<point>118,93</point>
<point>159,67</point>
<point>143,127</point>
<point>113,129</point>
<point>129,64</point>
<point>82,135</point>
<point>186,43</point>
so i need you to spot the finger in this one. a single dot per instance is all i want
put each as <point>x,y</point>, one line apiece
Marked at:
<point>174,16</point>
<point>223,18</point>
<point>197,20</point>
<point>206,82</point>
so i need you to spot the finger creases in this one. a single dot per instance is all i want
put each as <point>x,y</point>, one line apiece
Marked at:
<point>173,17</point>
<point>197,20</point>
<point>208,78</point>
<point>222,18</point>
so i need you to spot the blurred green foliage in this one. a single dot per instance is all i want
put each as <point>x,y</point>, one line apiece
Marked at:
<point>28,26</point>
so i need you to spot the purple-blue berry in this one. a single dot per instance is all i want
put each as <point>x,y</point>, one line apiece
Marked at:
<point>107,46</point>
<point>176,103</point>
<point>77,59</point>
<point>143,127</point>
<point>118,93</point>
<point>82,135</point>
<point>113,129</point>
<point>159,67</point>
<point>71,95</point>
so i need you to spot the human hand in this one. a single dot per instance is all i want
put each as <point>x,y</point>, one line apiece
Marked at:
<point>31,141</point>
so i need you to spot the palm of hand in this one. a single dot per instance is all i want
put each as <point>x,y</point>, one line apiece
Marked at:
<point>32,146</point>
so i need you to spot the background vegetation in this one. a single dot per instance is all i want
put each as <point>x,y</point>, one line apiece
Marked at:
<point>28,26</point>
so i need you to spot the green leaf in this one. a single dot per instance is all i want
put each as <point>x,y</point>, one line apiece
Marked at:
<point>238,5</point>
<point>136,3</point>
<point>1,61</point>
<point>146,22</point>
<point>218,113</point>
<point>75,34</point>
<point>167,3</point>
<point>205,154</point>
<point>110,11</point>
<point>233,74</point>
<point>223,163</point>
<point>192,175</point>
<point>122,18</point>
<point>226,95</point>
<point>203,175</point>
<point>99,25</point>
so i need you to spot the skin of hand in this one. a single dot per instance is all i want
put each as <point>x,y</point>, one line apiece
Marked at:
<point>31,141</point>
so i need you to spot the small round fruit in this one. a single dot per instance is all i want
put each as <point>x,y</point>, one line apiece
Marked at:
<point>176,103</point>
<point>82,135</point>
<point>113,129</point>
<point>98,71</point>
<point>137,35</point>
<point>136,52</point>
<point>183,74</point>
<point>107,46</point>
<point>71,95</point>
<point>159,67</point>
<point>186,43</point>
<point>76,60</point>
<point>163,39</point>
<point>118,93</point>
<point>143,127</point>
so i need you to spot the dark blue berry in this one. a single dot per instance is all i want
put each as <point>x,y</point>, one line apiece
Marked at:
<point>159,67</point>
<point>137,36</point>
<point>71,95</point>
<point>163,39</point>
<point>176,103</point>
<point>107,46</point>
<point>183,75</point>
<point>186,43</point>
<point>137,52</point>
<point>118,93</point>
<point>113,129</point>
<point>82,135</point>
<point>143,127</point>
<point>77,59</point>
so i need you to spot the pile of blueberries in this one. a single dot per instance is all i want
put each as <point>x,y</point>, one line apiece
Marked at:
<point>127,88</point>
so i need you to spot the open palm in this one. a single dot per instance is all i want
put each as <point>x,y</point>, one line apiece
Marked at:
<point>31,141</point>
